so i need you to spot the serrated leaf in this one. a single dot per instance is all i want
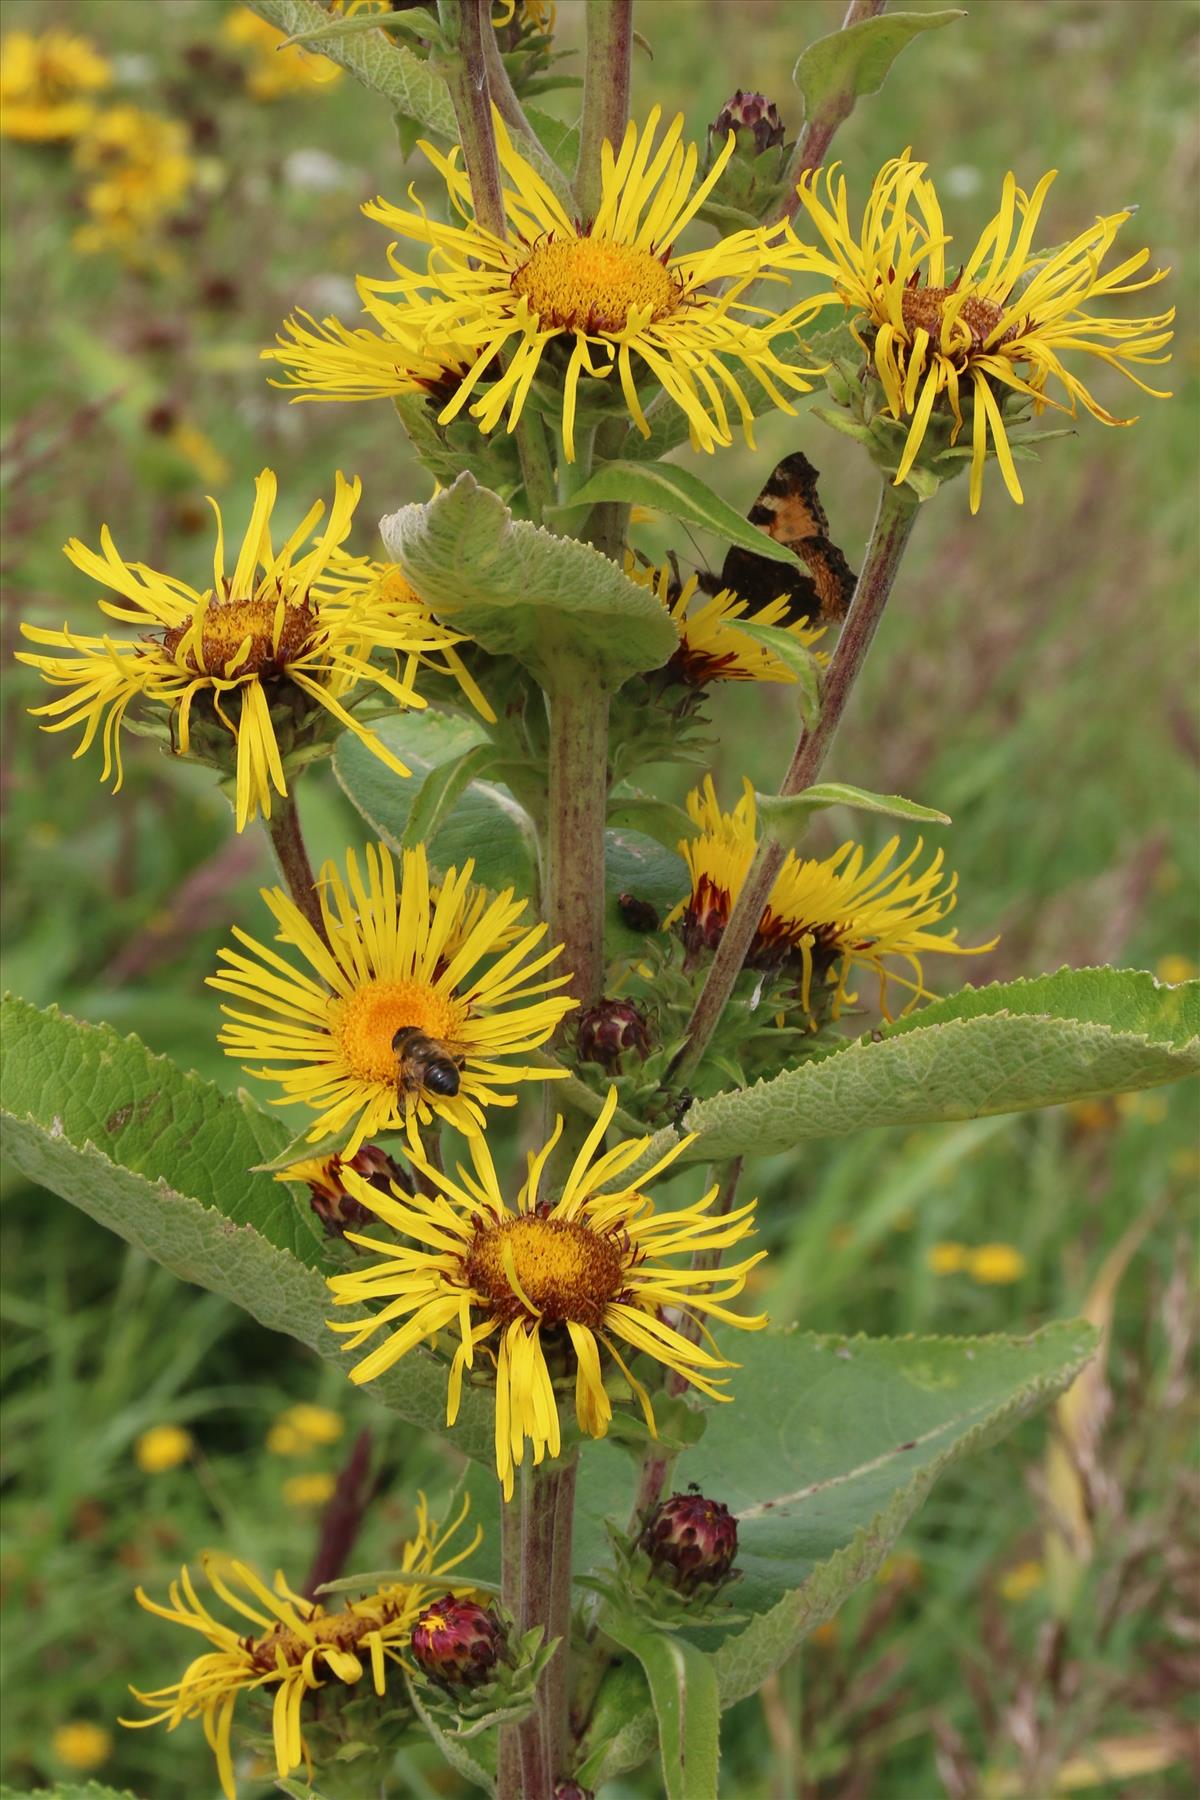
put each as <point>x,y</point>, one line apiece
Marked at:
<point>681,495</point>
<point>520,591</point>
<point>786,817</point>
<point>683,1688</point>
<point>1006,1048</point>
<point>165,1160</point>
<point>487,824</point>
<point>829,1447</point>
<point>835,70</point>
<point>468,1763</point>
<point>404,79</point>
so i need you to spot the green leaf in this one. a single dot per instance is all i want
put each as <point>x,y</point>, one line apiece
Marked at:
<point>404,79</point>
<point>802,663</point>
<point>1005,1048</point>
<point>559,140</point>
<point>166,1161</point>
<point>683,1688</point>
<point>68,1790</point>
<point>681,495</point>
<point>520,591</point>
<point>835,70</point>
<point>828,1449</point>
<point>440,791</point>
<point>662,820</point>
<point>486,823</point>
<point>786,817</point>
<point>425,28</point>
<point>635,864</point>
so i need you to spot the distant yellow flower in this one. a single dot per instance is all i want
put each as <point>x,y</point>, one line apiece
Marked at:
<point>947,1258</point>
<point>603,292</point>
<point>1000,326</point>
<point>1151,1109</point>
<point>539,15</point>
<point>138,171</point>
<point>197,448</point>
<point>274,72</point>
<point>308,1490</point>
<point>44,84</point>
<point>385,969</point>
<point>1175,968</point>
<point>162,1447</point>
<point>80,1744</point>
<point>297,1645</point>
<point>995,1265</point>
<point>711,648</point>
<point>826,918</point>
<point>1023,1579</point>
<point>546,1284</point>
<point>277,636</point>
<point>299,1428</point>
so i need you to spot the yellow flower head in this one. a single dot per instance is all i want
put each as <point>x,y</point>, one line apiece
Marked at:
<point>266,650</point>
<point>81,1744</point>
<point>999,325</point>
<point>392,1026</point>
<point>44,84</point>
<point>1021,1580</point>
<point>301,1428</point>
<point>332,361</point>
<point>538,15</point>
<point>293,1647</point>
<point>823,918</point>
<point>947,1258</point>
<point>138,170</point>
<point>274,72</point>
<point>996,1265</point>
<point>313,1489</point>
<point>711,648</point>
<point>162,1447</point>
<point>579,299</point>
<point>543,1286</point>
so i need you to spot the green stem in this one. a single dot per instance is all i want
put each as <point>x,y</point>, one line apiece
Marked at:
<point>605,94</point>
<point>578,792</point>
<point>287,841</point>
<point>508,1768</point>
<point>558,1675</point>
<point>539,1503</point>
<point>812,145</point>
<point>463,22</point>
<point>889,538</point>
<point>508,104</point>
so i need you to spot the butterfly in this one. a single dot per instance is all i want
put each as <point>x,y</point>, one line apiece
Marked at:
<point>789,510</point>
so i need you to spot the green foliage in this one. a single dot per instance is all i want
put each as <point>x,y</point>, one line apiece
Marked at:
<point>681,495</point>
<point>165,1160</point>
<point>998,1049</point>
<point>519,591</point>
<point>394,71</point>
<point>687,1711</point>
<point>787,817</point>
<point>835,70</point>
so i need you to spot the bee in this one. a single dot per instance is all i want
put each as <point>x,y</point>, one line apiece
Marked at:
<point>424,1062</point>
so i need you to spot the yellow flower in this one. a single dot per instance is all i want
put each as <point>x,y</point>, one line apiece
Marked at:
<point>332,361</point>
<point>545,1284</point>
<point>162,1447</point>
<point>1000,325</point>
<point>81,1744</point>
<point>139,170</point>
<point>385,970</point>
<point>274,72</point>
<point>1020,1581</point>
<point>947,1259</point>
<point>995,1265</point>
<point>606,292</point>
<point>711,648</point>
<point>539,15</point>
<point>308,1490</point>
<point>277,635</point>
<point>299,1428</point>
<point>296,1646</point>
<point>1174,968</point>
<point>43,81</point>
<point>823,918</point>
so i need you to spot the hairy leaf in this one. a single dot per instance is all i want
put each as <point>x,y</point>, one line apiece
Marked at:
<point>835,70</point>
<point>404,79</point>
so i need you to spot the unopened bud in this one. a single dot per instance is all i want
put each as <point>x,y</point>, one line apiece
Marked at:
<point>610,1028</point>
<point>338,1211</point>
<point>692,1540</point>
<point>755,121</point>
<point>571,1790</point>
<point>458,1643</point>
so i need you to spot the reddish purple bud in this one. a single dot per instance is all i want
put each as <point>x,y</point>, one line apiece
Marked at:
<point>571,1790</point>
<point>338,1211</point>
<point>610,1028</point>
<point>457,1643</point>
<point>692,1540</point>
<point>751,116</point>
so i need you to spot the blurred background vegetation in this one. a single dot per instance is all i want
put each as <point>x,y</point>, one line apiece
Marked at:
<point>1036,679</point>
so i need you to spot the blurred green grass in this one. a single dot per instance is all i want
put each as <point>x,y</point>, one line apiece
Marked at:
<point>1036,678</point>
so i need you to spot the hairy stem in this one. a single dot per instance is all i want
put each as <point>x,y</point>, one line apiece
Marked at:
<point>539,1504</point>
<point>287,841</point>
<point>812,146</point>
<point>889,537</point>
<point>558,1675</point>
<point>508,1767</point>
<point>575,848</point>
<point>464,23</point>
<point>508,105</point>
<point>605,94</point>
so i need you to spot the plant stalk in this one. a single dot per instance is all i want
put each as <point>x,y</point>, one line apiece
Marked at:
<point>508,1765</point>
<point>558,1625</point>
<point>291,854</point>
<point>578,792</point>
<point>539,1506</point>
<point>889,538</point>
<point>812,145</point>
<point>464,23</point>
<point>605,95</point>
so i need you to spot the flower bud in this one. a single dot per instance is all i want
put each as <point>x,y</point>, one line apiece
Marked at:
<point>753,118</point>
<point>691,1540</point>
<point>458,1643</point>
<point>610,1028</point>
<point>338,1211</point>
<point>571,1790</point>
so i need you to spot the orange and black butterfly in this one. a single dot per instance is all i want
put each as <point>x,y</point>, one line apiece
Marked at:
<point>789,510</point>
